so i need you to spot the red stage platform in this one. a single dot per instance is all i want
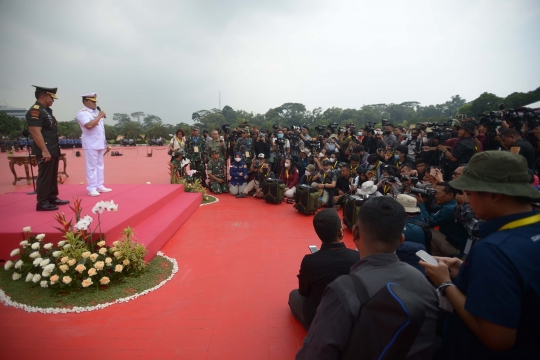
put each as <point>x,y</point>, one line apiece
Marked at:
<point>156,212</point>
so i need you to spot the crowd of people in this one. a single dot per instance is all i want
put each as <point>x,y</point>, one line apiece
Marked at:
<point>459,190</point>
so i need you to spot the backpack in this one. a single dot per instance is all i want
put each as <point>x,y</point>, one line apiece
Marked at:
<point>387,325</point>
<point>428,235</point>
<point>273,191</point>
<point>306,199</point>
<point>351,206</point>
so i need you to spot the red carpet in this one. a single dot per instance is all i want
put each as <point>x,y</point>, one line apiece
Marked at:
<point>238,260</point>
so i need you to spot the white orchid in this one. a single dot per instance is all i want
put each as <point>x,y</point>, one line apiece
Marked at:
<point>16,276</point>
<point>35,246</point>
<point>56,254</point>
<point>40,237</point>
<point>191,172</point>
<point>84,223</point>
<point>8,265</point>
<point>185,162</point>
<point>15,252</point>
<point>111,206</point>
<point>34,255</point>
<point>27,229</point>
<point>18,264</point>
<point>24,243</point>
<point>99,207</point>
<point>48,246</point>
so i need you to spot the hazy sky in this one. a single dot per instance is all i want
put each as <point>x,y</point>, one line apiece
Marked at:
<point>171,58</point>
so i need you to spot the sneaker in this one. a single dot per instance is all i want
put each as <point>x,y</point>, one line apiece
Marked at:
<point>93,193</point>
<point>241,195</point>
<point>103,189</point>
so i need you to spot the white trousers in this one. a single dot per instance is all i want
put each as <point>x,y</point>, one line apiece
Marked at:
<point>94,169</point>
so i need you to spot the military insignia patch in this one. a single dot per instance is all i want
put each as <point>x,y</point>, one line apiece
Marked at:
<point>35,107</point>
<point>34,113</point>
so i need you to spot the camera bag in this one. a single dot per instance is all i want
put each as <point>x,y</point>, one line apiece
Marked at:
<point>387,325</point>
<point>306,199</point>
<point>273,191</point>
<point>351,206</point>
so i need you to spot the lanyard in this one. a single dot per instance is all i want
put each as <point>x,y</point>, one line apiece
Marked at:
<point>521,222</point>
<point>386,189</point>
<point>195,140</point>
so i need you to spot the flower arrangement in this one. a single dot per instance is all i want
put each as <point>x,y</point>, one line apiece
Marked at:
<point>76,262</point>
<point>190,185</point>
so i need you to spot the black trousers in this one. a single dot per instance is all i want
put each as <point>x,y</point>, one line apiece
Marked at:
<point>296,303</point>
<point>47,181</point>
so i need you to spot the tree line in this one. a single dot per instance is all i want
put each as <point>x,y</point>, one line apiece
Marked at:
<point>139,125</point>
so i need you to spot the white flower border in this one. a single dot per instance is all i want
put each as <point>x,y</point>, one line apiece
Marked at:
<point>6,300</point>
<point>213,202</point>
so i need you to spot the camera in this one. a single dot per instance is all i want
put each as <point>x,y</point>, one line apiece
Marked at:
<point>226,128</point>
<point>320,129</point>
<point>350,125</point>
<point>413,180</point>
<point>275,126</point>
<point>428,193</point>
<point>296,128</point>
<point>280,142</point>
<point>332,126</point>
<point>384,122</point>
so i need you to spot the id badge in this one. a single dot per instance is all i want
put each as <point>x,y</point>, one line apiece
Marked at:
<point>196,149</point>
<point>515,149</point>
<point>247,154</point>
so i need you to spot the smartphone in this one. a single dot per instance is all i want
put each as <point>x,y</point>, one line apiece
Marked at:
<point>221,138</point>
<point>426,257</point>
<point>313,249</point>
<point>433,172</point>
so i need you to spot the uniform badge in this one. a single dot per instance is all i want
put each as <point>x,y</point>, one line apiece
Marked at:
<point>35,107</point>
<point>34,113</point>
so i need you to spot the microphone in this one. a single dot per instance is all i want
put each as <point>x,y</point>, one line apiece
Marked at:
<point>99,109</point>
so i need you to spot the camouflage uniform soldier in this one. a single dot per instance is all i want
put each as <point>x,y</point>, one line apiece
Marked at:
<point>195,149</point>
<point>217,174</point>
<point>244,146</point>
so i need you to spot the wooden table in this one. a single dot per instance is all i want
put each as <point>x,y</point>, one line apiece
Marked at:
<point>23,159</point>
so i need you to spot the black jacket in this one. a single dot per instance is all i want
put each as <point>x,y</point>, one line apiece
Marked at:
<point>320,269</point>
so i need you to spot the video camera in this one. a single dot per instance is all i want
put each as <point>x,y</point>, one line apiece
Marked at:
<point>296,128</point>
<point>493,119</point>
<point>350,125</point>
<point>369,127</point>
<point>226,128</point>
<point>320,129</point>
<point>313,145</point>
<point>428,193</point>
<point>332,127</point>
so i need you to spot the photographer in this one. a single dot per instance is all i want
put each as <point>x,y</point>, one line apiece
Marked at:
<point>321,268</point>
<point>451,237</point>
<point>289,176</point>
<point>244,146</point>
<point>401,157</point>
<point>303,161</point>
<point>262,145</point>
<point>296,144</point>
<point>495,293</point>
<point>261,167</point>
<point>413,231</point>
<point>304,135</point>
<point>389,138</point>
<point>309,173</point>
<point>414,143</point>
<point>512,141</point>
<point>343,184</point>
<point>345,138</point>
<point>374,168</point>
<point>464,150</point>
<point>332,146</point>
<point>327,183</point>
<point>371,141</point>
<point>355,165</point>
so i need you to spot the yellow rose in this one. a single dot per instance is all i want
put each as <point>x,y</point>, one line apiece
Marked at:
<point>99,265</point>
<point>118,268</point>
<point>125,262</point>
<point>87,282</point>
<point>102,251</point>
<point>94,257</point>
<point>64,268</point>
<point>117,254</point>
<point>92,272</point>
<point>54,279</point>
<point>86,254</point>
<point>101,243</point>
<point>72,262</point>
<point>80,268</point>
<point>66,279</point>
<point>64,260</point>
<point>108,261</point>
<point>104,280</point>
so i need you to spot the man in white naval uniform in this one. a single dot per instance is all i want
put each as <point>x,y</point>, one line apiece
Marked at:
<point>93,142</point>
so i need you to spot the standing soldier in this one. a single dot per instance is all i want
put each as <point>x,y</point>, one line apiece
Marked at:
<point>217,172</point>
<point>244,145</point>
<point>95,146</point>
<point>43,127</point>
<point>195,149</point>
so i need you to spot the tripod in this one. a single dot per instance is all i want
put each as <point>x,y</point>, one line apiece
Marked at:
<point>25,133</point>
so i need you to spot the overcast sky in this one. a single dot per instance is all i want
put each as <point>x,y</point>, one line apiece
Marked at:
<point>171,58</point>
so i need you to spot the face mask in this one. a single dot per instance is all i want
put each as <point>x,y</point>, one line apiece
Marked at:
<point>425,140</point>
<point>308,173</point>
<point>371,167</point>
<point>332,159</point>
<point>326,170</point>
<point>359,133</point>
<point>396,157</point>
<point>287,165</point>
<point>321,155</point>
<point>280,136</point>
<point>238,159</point>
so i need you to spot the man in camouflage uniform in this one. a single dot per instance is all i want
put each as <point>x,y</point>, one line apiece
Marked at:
<point>244,145</point>
<point>195,149</point>
<point>217,173</point>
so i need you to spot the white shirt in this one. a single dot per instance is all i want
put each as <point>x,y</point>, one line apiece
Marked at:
<point>92,139</point>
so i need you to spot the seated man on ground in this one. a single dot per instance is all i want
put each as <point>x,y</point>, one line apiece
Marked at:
<point>325,181</point>
<point>321,268</point>
<point>376,234</point>
<point>343,184</point>
<point>262,173</point>
<point>217,173</point>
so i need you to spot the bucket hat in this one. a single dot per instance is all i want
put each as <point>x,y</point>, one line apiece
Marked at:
<point>368,188</point>
<point>408,202</point>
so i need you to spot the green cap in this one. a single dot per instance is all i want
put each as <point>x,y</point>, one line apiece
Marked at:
<point>497,172</point>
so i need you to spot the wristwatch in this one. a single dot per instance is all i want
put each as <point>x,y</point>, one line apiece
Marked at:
<point>442,288</point>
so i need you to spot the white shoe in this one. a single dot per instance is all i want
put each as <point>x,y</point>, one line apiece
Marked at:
<point>103,189</point>
<point>93,193</point>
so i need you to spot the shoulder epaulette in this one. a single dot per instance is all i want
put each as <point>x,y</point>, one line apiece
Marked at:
<point>35,106</point>
<point>83,109</point>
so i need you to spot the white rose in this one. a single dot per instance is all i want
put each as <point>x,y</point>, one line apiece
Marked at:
<point>35,246</point>
<point>46,273</point>
<point>27,229</point>
<point>40,237</point>
<point>16,276</point>
<point>34,255</point>
<point>56,253</point>
<point>67,246</point>
<point>47,246</point>
<point>29,277</point>
<point>15,252</point>
<point>50,267</point>
<point>18,264</point>
<point>8,265</point>
<point>36,278</point>
<point>44,284</point>
<point>61,243</point>
<point>24,243</point>
<point>37,261</point>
